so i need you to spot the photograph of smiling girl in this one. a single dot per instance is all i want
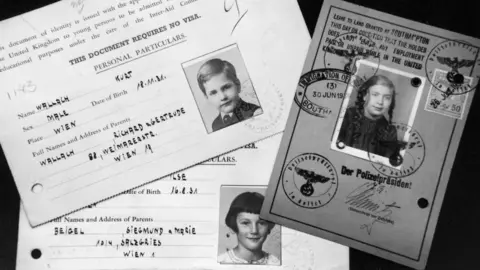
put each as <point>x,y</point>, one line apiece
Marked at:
<point>222,88</point>
<point>371,111</point>
<point>245,238</point>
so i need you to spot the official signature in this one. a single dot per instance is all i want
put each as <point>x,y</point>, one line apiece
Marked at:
<point>78,4</point>
<point>363,197</point>
<point>228,5</point>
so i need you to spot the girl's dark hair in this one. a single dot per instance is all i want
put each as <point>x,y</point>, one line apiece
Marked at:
<point>248,202</point>
<point>214,67</point>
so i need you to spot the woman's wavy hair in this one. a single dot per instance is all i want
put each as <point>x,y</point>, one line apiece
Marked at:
<point>363,91</point>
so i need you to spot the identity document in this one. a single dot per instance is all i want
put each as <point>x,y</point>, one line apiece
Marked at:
<point>370,141</point>
<point>199,218</point>
<point>98,97</point>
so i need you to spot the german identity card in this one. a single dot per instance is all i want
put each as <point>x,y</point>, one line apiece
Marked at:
<point>370,141</point>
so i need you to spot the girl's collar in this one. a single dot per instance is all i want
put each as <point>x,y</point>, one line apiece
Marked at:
<point>236,259</point>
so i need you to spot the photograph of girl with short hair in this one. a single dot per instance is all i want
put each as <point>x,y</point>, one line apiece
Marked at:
<point>248,238</point>
<point>371,110</point>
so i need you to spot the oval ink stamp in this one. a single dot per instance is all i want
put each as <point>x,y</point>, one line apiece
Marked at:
<point>406,156</point>
<point>453,67</point>
<point>310,180</point>
<point>347,49</point>
<point>313,101</point>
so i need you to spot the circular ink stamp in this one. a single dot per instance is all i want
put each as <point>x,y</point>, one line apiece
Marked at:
<point>346,50</point>
<point>310,180</point>
<point>313,100</point>
<point>276,108</point>
<point>453,67</point>
<point>406,153</point>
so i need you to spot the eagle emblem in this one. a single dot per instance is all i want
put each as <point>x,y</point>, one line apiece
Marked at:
<point>352,55</point>
<point>454,76</point>
<point>311,177</point>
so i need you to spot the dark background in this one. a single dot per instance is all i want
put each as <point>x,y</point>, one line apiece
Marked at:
<point>454,244</point>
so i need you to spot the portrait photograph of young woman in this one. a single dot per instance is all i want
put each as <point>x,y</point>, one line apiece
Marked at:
<point>372,110</point>
<point>245,238</point>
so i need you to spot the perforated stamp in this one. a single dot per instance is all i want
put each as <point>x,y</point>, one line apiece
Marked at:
<point>442,101</point>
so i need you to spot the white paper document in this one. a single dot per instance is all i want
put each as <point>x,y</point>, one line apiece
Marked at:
<point>200,218</point>
<point>98,97</point>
